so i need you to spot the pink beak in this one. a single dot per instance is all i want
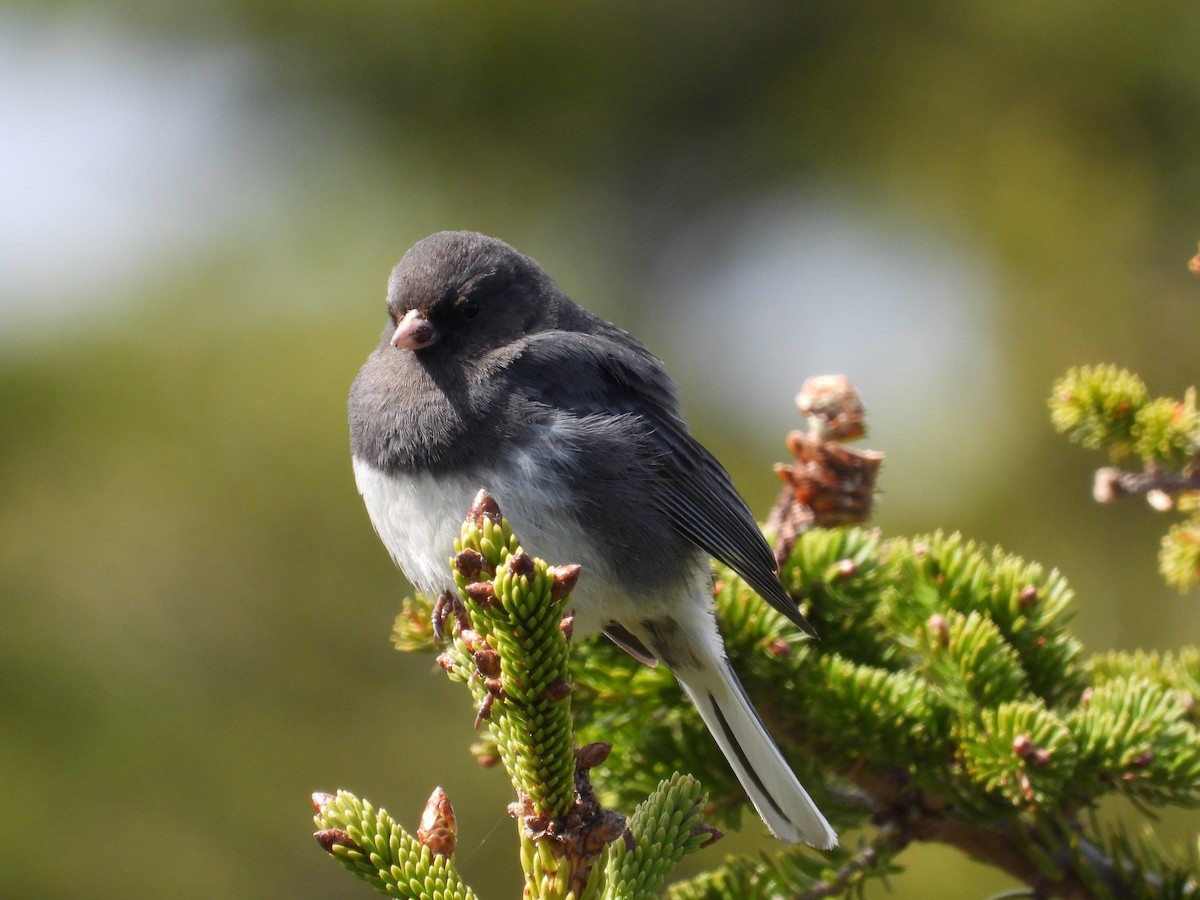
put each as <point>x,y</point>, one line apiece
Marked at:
<point>413,332</point>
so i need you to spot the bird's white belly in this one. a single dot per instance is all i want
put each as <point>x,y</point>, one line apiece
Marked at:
<point>418,516</point>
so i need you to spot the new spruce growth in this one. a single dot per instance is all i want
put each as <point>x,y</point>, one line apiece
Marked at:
<point>947,701</point>
<point>509,643</point>
<point>1106,408</point>
<point>373,847</point>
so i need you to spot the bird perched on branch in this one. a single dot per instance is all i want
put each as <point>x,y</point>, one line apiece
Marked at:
<point>488,376</point>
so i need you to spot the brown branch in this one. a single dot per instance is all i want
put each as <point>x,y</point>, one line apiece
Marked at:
<point>889,840</point>
<point>1112,484</point>
<point>923,817</point>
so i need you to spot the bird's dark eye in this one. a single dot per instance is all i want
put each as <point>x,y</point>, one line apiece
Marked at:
<point>469,307</point>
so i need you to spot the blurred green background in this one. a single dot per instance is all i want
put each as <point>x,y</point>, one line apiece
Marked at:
<point>950,202</point>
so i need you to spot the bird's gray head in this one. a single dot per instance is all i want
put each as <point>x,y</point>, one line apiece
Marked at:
<point>459,292</point>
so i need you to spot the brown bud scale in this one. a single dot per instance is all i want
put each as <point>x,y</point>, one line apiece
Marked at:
<point>779,648</point>
<point>488,663</point>
<point>482,593</point>
<point>329,838</point>
<point>470,564</point>
<point>521,563</point>
<point>565,579</point>
<point>555,691</point>
<point>472,639</point>
<point>439,828</point>
<point>1142,760</point>
<point>591,755</point>
<point>1038,757</point>
<point>484,507</point>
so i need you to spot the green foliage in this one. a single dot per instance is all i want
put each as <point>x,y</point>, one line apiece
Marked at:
<point>1179,671</point>
<point>518,619</point>
<point>663,829</point>
<point>1179,555</point>
<point>1168,430</point>
<point>1139,736</point>
<point>1018,751</point>
<point>372,846</point>
<point>877,710</point>
<point>510,647</point>
<point>959,683</point>
<point>946,697</point>
<point>795,872</point>
<point>949,577</point>
<point>1108,408</point>
<point>1098,407</point>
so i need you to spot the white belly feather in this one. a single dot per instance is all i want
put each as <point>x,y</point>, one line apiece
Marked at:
<point>418,516</point>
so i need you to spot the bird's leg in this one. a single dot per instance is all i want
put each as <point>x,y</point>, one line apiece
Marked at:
<point>448,604</point>
<point>487,667</point>
<point>494,690</point>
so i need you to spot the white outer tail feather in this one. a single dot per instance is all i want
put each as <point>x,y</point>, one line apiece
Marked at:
<point>768,780</point>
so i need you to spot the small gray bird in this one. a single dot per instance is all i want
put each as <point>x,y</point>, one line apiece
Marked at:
<point>488,376</point>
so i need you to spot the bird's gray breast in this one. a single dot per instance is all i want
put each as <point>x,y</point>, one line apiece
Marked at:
<point>419,513</point>
<point>404,419</point>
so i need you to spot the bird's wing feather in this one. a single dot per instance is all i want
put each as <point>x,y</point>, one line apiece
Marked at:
<point>610,374</point>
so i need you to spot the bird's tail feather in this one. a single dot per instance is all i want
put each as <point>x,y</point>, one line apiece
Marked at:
<point>773,788</point>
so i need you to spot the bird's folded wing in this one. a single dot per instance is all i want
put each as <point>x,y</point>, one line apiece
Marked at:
<point>591,375</point>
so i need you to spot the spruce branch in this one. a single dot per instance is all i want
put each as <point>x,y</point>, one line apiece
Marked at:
<point>1104,407</point>
<point>950,697</point>
<point>947,701</point>
<point>373,847</point>
<point>509,643</point>
<point>799,875</point>
<point>662,830</point>
<point>515,658</point>
<point>510,647</point>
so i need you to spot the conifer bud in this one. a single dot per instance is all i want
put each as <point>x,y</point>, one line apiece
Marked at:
<point>320,800</point>
<point>565,579</point>
<point>1028,596</point>
<point>607,827</point>
<point>329,838</point>
<point>484,507</point>
<point>833,406</point>
<point>521,563</point>
<point>1142,760</point>
<point>591,755</point>
<point>470,564</point>
<point>1106,485</point>
<point>941,629</point>
<point>555,691</point>
<point>438,829</point>
<point>487,661</point>
<point>481,593</point>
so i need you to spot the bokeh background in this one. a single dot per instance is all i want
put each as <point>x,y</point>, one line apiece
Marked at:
<point>951,202</point>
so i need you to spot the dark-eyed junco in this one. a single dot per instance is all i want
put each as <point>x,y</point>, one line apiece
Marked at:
<point>487,376</point>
